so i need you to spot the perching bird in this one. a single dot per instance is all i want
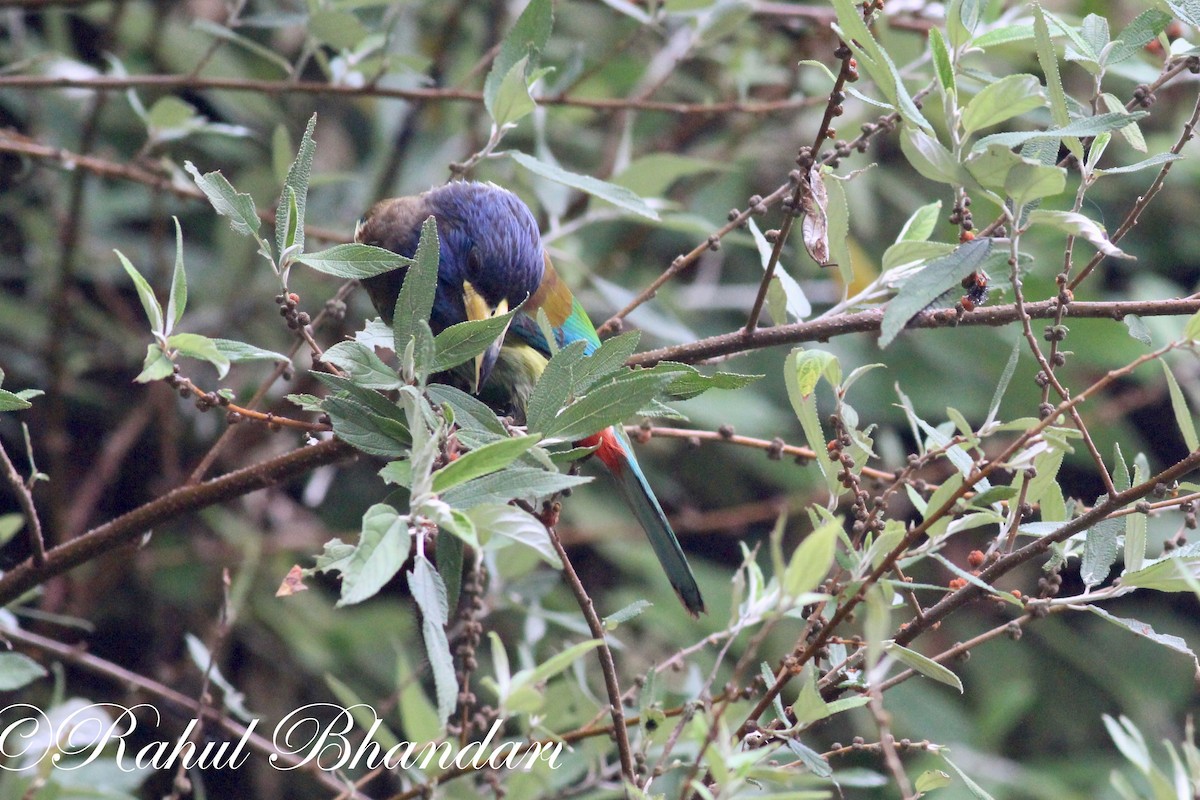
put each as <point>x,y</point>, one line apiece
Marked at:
<point>492,260</point>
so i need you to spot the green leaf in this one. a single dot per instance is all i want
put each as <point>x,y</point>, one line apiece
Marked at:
<point>155,367</point>
<point>487,459</point>
<point>238,352</point>
<point>193,345</point>
<point>923,664</point>
<point>608,359</point>
<point>811,366</point>
<point>805,407</point>
<point>1145,27</point>
<point>1175,573</point>
<point>417,714</point>
<point>1011,96</point>
<point>931,779</point>
<point>362,366</point>
<point>929,157</point>
<point>462,342</point>
<point>226,201</point>
<point>1183,415</point>
<point>415,300</point>
<point>1100,549</point>
<point>177,301</point>
<point>554,386</point>
<point>1049,62</point>
<point>1191,332</point>
<point>18,670</point>
<point>512,101</point>
<point>528,36</point>
<point>610,192</point>
<point>653,174</point>
<point>341,30</point>
<point>370,432</point>
<point>469,412</point>
<point>1153,161</point>
<point>921,224</point>
<point>501,525</point>
<point>1145,631</point>
<point>381,551</point>
<point>1078,225</point>
<point>796,302</point>
<point>246,43</point>
<point>515,483</point>
<point>354,261</point>
<point>974,788</point>
<point>607,405</point>
<point>927,285</point>
<point>289,213</point>
<point>451,550</point>
<point>941,62</point>
<point>556,663</point>
<point>145,294</point>
<point>810,561</point>
<point>1088,126</point>
<point>691,382</point>
<point>634,609</point>
<point>1026,183</point>
<point>1137,329</point>
<point>430,595</point>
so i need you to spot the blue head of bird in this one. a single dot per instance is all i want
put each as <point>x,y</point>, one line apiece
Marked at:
<point>491,254</point>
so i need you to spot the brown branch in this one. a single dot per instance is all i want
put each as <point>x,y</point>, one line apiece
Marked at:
<point>13,143</point>
<point>269,87</point>
<point>612,687</point>
<point>820,330</point>
<point>175,503</point>
<point>86,661</point>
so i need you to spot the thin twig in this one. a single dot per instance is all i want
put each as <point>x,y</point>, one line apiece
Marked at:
<point>274,87</point>
<point>607,667</point>
<point>739,341</point>
<point>103,539</point>
<point>25,499</point>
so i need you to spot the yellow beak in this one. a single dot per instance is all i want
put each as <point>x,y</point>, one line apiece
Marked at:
<point>477,309</point>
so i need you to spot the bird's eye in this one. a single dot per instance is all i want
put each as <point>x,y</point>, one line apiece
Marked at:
<point>474,261</point>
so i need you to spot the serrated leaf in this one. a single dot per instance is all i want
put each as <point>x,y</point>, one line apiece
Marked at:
<point>155,367</point>
<point>372,433</point>
<point>462,342</point>
<point>1140,628</point>
<point>512,101</point>
<point>1088,126</point>
<point>238,352</point>
<point>353,261</point>
<point>927,285</point>
<point>1137,329</point>
<point>528,36</point>
<point>795,300</point>
<point>634,609</point>
<point>1100,549</point>
<point>1144,27</point>
<point>1191,331</point>
<point>500,525</point>
<point>929,157</point>
<point>607,405</point>
<point>1078,225</point>
<point>919,226</point>
<point>430,595</point>
<point>810,561</point>
<point>362,366</point>
<point>415,300</point>
<point>1011,96</point>
<point>554,386</point>
<point>193,345</point>
<point>226,201</point>
<point>609,192</point>
<point>514,483</point>
<point>1027,183</point>
<point>293,201</point>
<point>339,29</point>
<point>469,412</point>
<point>145,294</point>
<point>1153,161</point>
<point>923,664</point>
<point>382,549</point>
<point>941,62</point>
<point>1183,415</point>
<point>811,366</point>
<point>177,301</point>
<point>482,461</point>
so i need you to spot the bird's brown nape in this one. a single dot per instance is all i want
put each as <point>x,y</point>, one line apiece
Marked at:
<point>393,224</point>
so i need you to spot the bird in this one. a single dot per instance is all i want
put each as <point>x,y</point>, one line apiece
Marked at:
<point>492,260</point>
